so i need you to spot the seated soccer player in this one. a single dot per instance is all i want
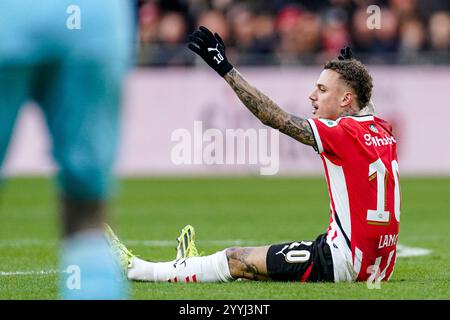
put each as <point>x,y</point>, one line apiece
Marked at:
<point>359,154</point>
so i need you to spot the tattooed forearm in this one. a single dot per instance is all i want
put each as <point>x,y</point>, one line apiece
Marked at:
<point>268,111</point>
<point>260,105</point>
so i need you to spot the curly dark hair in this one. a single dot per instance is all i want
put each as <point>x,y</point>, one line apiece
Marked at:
<point>356,76</point>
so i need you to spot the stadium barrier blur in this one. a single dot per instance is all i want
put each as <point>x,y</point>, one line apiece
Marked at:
<point>160,105</point>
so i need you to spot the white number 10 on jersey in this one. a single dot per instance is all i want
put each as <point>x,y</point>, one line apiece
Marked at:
<point>380,215</point>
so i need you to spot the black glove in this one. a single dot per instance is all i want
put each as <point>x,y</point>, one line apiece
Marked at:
<point>211,48</point>
<point>346,54</point>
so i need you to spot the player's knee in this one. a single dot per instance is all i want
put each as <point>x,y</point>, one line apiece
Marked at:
<point>237,263</point>
<point>234,263</point>
<point>233,253</point>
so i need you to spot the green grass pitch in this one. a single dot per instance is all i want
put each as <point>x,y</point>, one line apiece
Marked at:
<point>149,213</point>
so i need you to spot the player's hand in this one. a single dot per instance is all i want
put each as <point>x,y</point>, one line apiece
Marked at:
<point>211,48</point>
<point>346,54</point>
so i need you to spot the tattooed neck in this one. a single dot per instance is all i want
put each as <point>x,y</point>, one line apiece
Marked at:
<point>349,112</point>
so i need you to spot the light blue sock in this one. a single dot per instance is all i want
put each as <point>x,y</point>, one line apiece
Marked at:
<point>90,271</point>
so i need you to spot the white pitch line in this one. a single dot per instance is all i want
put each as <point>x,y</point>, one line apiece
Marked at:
<point>173,243</point>
<point>146,243</point>
<point>26,243</point>
<point>28,273</point>
<point>404,251</point>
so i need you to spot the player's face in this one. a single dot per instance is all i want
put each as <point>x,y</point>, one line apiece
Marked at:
<point>328,97</point>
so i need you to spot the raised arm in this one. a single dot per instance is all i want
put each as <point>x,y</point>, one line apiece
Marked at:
<point>268,111</point>
<point>212,49</point>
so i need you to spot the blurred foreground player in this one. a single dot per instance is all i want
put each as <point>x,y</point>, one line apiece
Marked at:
<point>75,75</point>
<point>359,155</point>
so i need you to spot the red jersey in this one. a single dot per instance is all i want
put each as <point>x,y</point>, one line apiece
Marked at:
<point>359,155</point>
